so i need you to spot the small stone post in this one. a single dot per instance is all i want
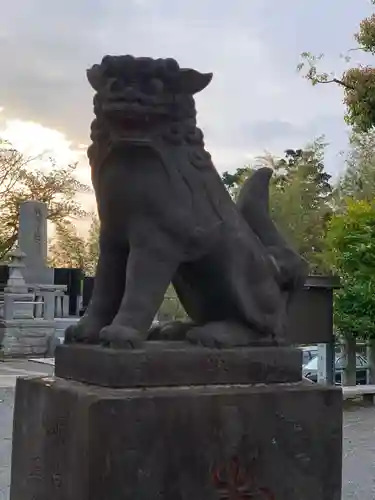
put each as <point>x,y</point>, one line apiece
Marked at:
<point>16,282</point>
<point>18,302</point>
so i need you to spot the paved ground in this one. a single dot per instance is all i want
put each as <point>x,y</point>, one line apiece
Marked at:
<point>359,436</point>
<point>9,372</point>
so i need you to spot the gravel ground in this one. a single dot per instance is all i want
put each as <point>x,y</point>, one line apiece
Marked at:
<point>359,453</point>
<point>6,414</point>
<point>359,449</point>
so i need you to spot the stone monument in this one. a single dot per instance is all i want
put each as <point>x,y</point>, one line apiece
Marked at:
<point>32,239</point>
<point>207,409</point>
<point>21,333</point>
<point>27,322</point>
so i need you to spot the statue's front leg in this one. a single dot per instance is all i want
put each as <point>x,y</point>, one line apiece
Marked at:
<point>148,275</point>
<point>106,297</point>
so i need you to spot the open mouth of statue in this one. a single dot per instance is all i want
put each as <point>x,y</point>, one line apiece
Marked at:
<point>134,122</point>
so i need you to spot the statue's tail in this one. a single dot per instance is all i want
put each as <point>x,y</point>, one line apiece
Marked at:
<point>253,203</point>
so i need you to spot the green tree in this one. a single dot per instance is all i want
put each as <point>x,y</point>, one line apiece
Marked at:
<point>233,182</point>
<point>350,251</point>
<point>22,180</point>
<point>300,197</point>
<point>357,82</point>
<point>358,180</point>
<point>92,247</point>
<point>171,308</point>
<point>69,249</point>
<point>13,167</point>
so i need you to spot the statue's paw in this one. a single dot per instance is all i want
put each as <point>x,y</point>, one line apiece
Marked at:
<point>120,337</point>
<point>172,331</point>
<point>226,335</point>
<point>86,331</point>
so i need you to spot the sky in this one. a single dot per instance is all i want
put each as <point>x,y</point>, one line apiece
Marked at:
<point>256,102</point>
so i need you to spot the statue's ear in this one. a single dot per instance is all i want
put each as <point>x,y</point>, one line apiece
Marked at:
<point>95,77</point>
<point>190,81</point>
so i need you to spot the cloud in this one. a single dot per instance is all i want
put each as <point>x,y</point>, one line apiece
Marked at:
<point>256,100</point>
<point>33,139</point>
<point>42,143</point>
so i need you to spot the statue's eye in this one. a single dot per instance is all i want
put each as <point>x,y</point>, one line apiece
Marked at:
<point>116,85</point>
<point>154,86</point>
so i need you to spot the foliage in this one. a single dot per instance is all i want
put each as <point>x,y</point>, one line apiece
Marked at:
<point>21,180</point>
<point>350,250</point>
<point>300,194</point>
<point>171,308</point>
<point>358,179</point>
<point>233,182</point>
<point>358,82</point>
<point>354,308</point>
<point>12,167</point>
<point>69,249</point>
<point>12,171</point>
<point>92,247</point>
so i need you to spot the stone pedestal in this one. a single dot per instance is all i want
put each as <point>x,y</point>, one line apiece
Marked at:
<point>25,337</point>
<point>22,333</point>
<point>219,439</point>
<point>18,306</point>
<point>177,364</point>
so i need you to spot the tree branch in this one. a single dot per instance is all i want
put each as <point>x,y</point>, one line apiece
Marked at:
<point>338,82</point>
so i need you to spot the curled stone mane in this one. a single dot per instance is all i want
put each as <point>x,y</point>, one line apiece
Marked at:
<point>146,101</point>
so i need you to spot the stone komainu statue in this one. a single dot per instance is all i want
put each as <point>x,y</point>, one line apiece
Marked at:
<point>166,216</point>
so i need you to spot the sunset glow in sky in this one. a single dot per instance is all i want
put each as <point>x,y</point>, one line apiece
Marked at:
<point>33,139</point>
<point>257,102</point>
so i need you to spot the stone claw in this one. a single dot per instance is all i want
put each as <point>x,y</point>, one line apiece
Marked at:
<point>85,332</point>
<point>120,337</point>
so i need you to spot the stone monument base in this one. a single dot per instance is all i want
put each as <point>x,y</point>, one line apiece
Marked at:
<point>24,337</point>
<point>177,364</point>
<point>76,441</point>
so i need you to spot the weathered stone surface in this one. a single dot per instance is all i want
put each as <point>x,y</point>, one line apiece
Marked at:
<point>166,216</point>
<point>177,363</point>
<point>32,239</point>
<point>21,337</point>
<point>77,442</point>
